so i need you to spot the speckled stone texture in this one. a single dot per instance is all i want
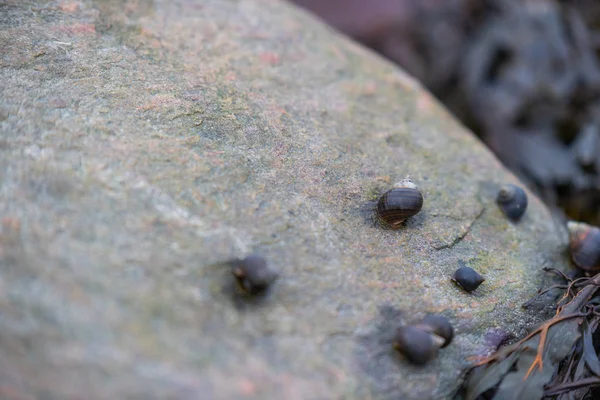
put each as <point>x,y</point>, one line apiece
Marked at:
<point>143,143</point>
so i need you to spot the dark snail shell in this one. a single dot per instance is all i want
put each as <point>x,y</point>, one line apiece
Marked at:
<point>584,244</point>
<point>512,201</point>
<point>417,345</point>
<point>253,274</point>
<point>400,203</point>
<point>439,326</point>
<point>467,278</point>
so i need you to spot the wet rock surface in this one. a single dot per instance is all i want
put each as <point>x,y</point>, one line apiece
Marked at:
<point>145,143</point>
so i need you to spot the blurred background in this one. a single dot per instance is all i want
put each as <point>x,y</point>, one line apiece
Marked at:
<point>524,75</point>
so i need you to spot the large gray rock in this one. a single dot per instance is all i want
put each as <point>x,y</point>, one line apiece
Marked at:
<point>145,142</point>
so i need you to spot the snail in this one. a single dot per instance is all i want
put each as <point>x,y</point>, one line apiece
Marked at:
<point>400,203</point>
<point>584,245</point>
<point>421,342</point>
<point>467,278</point>
<point>415,344</point>
<point>512,201</point>
<point>439,326</point>
<point>253,274</point>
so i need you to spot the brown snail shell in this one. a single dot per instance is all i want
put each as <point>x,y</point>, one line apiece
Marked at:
<point>400,203</point>
<point>438,325</point>
<point>584,245</point>
<point>253,274</point>
<point>417,345</point>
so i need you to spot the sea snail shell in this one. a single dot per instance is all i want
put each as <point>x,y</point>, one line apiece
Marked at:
<point>438,325</point>
<point>467,278</point>
<point>417,345</point>
<point>584,245</point>
<point>400,203</point>
<point>512,200</point>
<point>420,342</point>
<point>253,274</point>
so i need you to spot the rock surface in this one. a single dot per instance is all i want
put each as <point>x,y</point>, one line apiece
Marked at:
<point>143,143</point>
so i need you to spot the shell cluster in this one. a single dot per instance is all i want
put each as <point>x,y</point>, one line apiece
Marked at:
<point>400,203</point>
<point>420,342</point>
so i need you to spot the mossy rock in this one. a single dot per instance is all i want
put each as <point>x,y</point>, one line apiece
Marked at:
<point>143,143</point>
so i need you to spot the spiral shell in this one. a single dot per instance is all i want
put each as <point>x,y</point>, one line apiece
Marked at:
<point>467,278</point>
<point>512,200</point>
<point>400,203</point>
<point>417,345</point>
<point>253,274</point>
<point>439,326</point>
<point>584,245</point>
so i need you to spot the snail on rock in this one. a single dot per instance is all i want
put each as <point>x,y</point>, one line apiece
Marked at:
<point>467,278</point>
<point>421,342</point>
<point>415,344</point>
<point>438,325</point>
<point>584,245</point>
<point>253,274</point>
<point>400,203</point>
<point>512,200</point>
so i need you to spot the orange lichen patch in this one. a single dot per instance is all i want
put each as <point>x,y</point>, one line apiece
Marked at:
<point>58,103</point>
<point>340,105</point>
<point>11,224</point>
<point>425,102</point>
<point>69,6</point>
<point>370,89</point>
<point>230,76</point>
<point>275,109</point>
<point>338,374</point>
<point>131,7</point>
<point>160,101</point>
<point>146,32</point>
<point>384,285</point>
<point>436,307</point>
<point>258,35</point>
<point>215,158</point>
<point>149,38</point>
<point>77,29</point>
<point>475,304</point>
<point>403,80</point>
<point>11,393</point>
<point>75,293</point>
<point>247,387</point>
<point>269,58</point>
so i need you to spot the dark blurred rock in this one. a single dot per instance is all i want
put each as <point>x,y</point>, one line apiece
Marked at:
<point>531,77</point>
<point>427,37</point>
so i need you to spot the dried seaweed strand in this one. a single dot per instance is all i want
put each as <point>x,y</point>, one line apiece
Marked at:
<point>570,310</point>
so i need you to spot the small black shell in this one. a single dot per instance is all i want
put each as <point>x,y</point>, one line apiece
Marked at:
<point>253,274</point>
<point>512,201</point>
<point>400,203</point>
<point>584,244</point>
<point>438,325</point>
<point>467,278</point>
<point>417,345</point>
